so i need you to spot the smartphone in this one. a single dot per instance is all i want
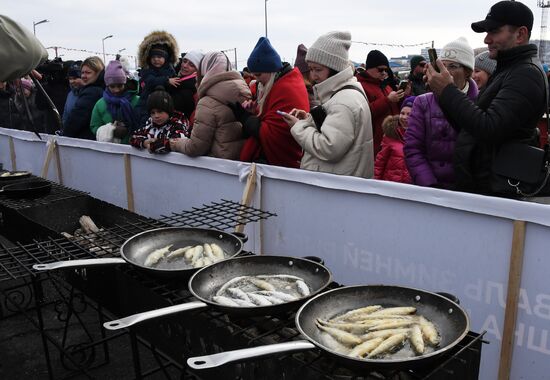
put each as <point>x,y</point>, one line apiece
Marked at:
<point>282,113</point>
<point>403,85</point>
<point>433,57</point>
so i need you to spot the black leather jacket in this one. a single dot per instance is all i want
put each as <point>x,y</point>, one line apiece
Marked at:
<point>506,110</point>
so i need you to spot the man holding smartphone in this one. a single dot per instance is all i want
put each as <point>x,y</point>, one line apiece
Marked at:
<point>508,108</point>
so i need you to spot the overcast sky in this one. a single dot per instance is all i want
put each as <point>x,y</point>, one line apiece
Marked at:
<point>227,24</point>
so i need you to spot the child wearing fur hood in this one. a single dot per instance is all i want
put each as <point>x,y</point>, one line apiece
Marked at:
<point>158,52</point>
<point>390,161</point>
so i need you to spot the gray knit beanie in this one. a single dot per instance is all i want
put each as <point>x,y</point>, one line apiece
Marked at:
<point>483,62</point>
<point>331,50</point>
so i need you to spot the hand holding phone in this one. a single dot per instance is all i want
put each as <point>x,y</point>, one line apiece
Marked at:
<point>403,85</point>
<point>433,58</point>
<point>282,113</point>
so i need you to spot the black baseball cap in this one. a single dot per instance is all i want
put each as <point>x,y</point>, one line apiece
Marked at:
<point>505,13</point>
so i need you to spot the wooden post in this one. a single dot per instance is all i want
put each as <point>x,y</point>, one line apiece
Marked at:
<point>512,296</point>
<point>129,184</point>
<point>12,154</point>
<point>248,192</point>
<point>48,159</point>
<point>58,165</point>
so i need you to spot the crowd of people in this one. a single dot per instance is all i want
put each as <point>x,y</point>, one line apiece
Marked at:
<point>439,127</point>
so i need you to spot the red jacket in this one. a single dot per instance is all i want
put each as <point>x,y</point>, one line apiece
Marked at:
<point>390,161</point>
<point>380,106</point>
<point>276,144</point>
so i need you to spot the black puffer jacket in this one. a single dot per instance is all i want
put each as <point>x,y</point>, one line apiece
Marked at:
<point>78,121</point>
<point>507,110</point>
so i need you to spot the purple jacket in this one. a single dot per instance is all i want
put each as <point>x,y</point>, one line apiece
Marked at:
<point>430,142</point>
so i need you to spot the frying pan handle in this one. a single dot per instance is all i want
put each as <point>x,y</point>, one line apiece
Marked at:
<point>241,236</point>
<point>216,360</point>
<point>78,263</point>
<point>146,315</point>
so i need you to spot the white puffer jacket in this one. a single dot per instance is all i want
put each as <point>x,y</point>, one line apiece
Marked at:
<point>345,143</point>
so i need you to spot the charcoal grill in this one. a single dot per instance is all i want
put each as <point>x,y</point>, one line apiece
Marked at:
<point>175,338</point>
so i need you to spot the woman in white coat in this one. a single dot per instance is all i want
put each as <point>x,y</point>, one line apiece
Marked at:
<point>337,137</point>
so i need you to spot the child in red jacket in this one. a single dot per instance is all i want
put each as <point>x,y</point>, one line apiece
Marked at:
<point>390,161</point>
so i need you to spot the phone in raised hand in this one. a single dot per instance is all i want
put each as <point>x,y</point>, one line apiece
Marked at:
<point>403,85</point>
<point>432,53</point>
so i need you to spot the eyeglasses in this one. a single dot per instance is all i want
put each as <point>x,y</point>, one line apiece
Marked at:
<point>382,69</point>
<point>453,66</point>
<point>422,64</point>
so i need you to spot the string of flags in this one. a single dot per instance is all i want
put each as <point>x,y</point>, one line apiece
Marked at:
<point>87,51</point>
<point>393,45</point>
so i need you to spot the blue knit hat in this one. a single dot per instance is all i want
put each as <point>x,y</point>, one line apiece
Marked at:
<point>264,58</point>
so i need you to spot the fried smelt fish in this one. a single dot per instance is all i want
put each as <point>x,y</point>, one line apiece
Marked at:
<point>197,255</point>
<point>243,303</point>
<point>341,336</point>
<point>302,287</point>
<point>388,345</point>
<point>217,251</point>
<point>178,252</point>
<point>365,347</point>
<point>279,295</point>
<point>259,300</point>
<point>403,310</point>
<point>155,256</point>
<point>262,284</point>
<point>415,337</point>
<point>354,328</point>
<point>229,284</point>
<point>357,313</point>
<point>225,301</point>
<point>391,325</point>
<point>429,332</point>
<point>238,293</point>
<point>208,253</point>
<point>383,334</point>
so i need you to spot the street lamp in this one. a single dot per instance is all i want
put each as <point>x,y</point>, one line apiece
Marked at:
<point>103,44</point>
<point>38,23</point>
<point>121,50</point>
<point>265,8</point>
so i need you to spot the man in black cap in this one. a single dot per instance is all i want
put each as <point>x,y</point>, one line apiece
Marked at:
<point>507,109</point>
<point>416,76</point>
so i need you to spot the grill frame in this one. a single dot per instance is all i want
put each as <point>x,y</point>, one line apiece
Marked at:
<point>178,337</point>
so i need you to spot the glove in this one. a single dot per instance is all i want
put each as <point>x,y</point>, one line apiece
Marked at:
<point>120,132</point>
<point>240,113</point>
<point>251,127</point>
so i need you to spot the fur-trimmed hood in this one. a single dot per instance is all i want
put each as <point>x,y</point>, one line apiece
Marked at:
<point>154,38</point>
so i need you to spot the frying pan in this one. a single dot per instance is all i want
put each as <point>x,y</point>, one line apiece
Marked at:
<point>450,319</point>
<point>14,176</point>
<point>136,249</point>
<point>27,189</point>
<point>206,282</point>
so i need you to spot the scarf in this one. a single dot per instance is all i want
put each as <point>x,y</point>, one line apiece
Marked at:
<point>121,109</point>
<point>214,63</point>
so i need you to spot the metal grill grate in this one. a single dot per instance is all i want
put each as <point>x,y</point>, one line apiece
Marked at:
<point>222,215</point>
<point>17,262</point>
<point>58,193</point>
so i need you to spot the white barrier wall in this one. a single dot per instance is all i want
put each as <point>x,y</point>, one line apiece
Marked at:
<point>368,232</point>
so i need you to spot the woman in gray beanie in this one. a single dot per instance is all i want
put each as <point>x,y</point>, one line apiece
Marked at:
<point>337,135</point>
<point>483,69</point>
